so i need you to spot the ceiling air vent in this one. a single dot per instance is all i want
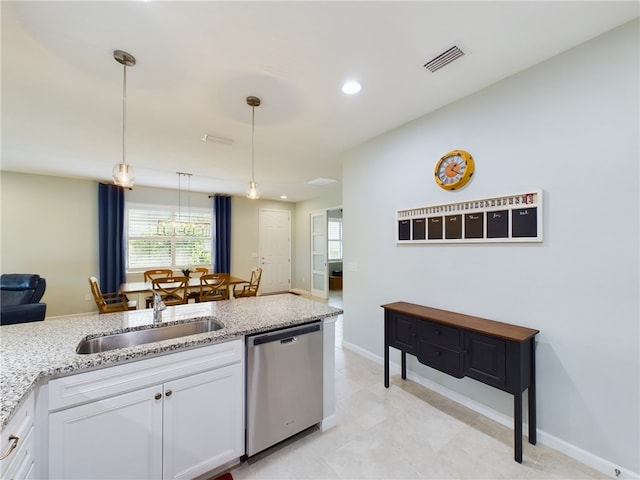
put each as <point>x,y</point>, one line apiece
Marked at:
<point>445,58</point>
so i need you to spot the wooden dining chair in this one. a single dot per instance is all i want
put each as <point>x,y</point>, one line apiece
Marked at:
<point>149,275</point>
<point>172,290</point>
<point>197,273</point>
<point>214,287</point>
<point>249,289</point>
<point>110,302</point>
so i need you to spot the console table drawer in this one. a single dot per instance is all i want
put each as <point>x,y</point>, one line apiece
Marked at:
<point>485,359</point>
<point>440,358</point>
<point>439,334</point>
<point>402,332</point>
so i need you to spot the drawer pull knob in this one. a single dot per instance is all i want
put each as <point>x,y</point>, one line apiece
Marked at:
<point>14,443</point>
<point>438,354</point>
<point>169,392</point>
<point>437,332</point>
<point>158,396</point>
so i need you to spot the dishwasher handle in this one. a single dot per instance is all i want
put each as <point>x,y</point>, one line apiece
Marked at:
<point>286,336</point>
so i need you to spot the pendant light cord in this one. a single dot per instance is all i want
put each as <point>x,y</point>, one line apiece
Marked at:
<point>124,114</point>
<point>253,124</point>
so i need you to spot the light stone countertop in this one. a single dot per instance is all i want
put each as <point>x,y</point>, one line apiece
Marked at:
<point>31,351</point>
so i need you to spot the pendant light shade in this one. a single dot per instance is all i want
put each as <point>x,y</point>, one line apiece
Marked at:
<point>123,175</point>
<point>253,193</point>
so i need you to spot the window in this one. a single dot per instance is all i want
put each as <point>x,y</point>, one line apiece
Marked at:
<point>334,238</point>
<point>158,238</point>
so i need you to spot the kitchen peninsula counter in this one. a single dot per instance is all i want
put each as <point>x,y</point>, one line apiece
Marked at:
<point>37,350</point>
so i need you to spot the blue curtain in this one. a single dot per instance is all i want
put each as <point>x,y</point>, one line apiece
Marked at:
<point>111,236</point>
<point>222,233</point>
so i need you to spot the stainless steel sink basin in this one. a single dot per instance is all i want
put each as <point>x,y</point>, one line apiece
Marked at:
<point>139,337</point>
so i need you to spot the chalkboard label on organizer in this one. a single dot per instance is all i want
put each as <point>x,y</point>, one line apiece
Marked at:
<point>498,224</point>
<point>404,229</point>
<point>419,229</point>
<point>453,226</point>
<point>524,222</point>
<point>474,225</point>
<point>434,228</point>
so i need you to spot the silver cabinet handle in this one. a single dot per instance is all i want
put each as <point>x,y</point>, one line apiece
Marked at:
<point>158,396</point>
<point>169,392</point>
<point>14,439</point>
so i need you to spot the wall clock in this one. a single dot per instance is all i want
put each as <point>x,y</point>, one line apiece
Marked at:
<point>454,170</point>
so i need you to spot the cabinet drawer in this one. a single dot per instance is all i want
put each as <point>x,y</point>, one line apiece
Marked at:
<point>401,331</point>
<point>96,384</point>
<point>439,334</point>
<point>441,358</point>
<point>21,458</point>
<point>485,359</point>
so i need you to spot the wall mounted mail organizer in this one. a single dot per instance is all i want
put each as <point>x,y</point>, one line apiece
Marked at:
<point>506,218</point>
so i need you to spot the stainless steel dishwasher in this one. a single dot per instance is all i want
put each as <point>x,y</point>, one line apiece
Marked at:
<point>284,384</point>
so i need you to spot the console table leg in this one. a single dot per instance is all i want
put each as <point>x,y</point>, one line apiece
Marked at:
<point>531,392</point>
<point>386,366</point>
<point>517,426</point>
<point>404,366</point>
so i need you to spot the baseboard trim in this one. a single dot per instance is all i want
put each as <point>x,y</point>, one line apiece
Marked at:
<point>597,463</point>
<point>299,291</point>
<point>328,422</point>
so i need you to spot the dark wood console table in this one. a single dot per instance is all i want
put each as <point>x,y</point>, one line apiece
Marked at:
<point>497,354</point>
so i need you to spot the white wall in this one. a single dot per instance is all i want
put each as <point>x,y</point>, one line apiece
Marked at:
<point>569,126</point>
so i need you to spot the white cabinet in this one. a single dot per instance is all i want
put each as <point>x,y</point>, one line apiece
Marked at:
<point>17,444</point>
<point>149,419</point>
<point>117,437</point>
<point>203,422</point>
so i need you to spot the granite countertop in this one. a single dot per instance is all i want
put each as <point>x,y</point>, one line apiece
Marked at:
<point>32,351</point>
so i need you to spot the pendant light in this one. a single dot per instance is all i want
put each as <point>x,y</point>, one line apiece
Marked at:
<point>123,175</point>
<point>253,193</point>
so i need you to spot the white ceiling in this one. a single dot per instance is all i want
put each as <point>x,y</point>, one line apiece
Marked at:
<point>198,61</point>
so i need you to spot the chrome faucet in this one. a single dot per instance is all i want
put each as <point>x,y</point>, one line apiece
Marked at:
<point>158,306</point>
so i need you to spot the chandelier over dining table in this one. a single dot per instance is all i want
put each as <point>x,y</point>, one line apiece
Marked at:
<point>184,225</point>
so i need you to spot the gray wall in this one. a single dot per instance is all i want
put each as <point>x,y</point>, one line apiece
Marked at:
<point>332,198</point>
<point>569,126</point>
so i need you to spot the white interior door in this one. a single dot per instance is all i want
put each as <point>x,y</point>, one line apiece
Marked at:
<point>319,278</point>
<point>275,250</point>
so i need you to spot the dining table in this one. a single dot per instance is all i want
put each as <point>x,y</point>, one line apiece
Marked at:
<point>137,288</point>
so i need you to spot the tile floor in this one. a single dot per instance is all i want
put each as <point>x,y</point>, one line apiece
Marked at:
<point>404,432</point>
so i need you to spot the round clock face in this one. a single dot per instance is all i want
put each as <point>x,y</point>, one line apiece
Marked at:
<point>454,170</point>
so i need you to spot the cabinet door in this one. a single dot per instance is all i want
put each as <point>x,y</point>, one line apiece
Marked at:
<point>485,359</point>
<point>117,437</point>
<point>203,421</point>
<point>401,331</point>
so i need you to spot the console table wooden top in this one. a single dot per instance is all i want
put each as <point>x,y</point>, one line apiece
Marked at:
<point>506,331</point>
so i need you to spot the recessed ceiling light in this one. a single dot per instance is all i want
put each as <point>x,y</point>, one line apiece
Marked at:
<point>283,197</point>
<point>214,139</point>
<point>351,87</point>
<point>321,181</point>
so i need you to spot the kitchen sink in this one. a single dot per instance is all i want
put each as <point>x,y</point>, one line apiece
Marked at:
<point>139,337</point>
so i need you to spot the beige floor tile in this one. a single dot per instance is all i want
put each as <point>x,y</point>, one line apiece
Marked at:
<point>404,432</point>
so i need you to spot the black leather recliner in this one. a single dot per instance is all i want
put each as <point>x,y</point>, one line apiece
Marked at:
<point>20,295</point>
